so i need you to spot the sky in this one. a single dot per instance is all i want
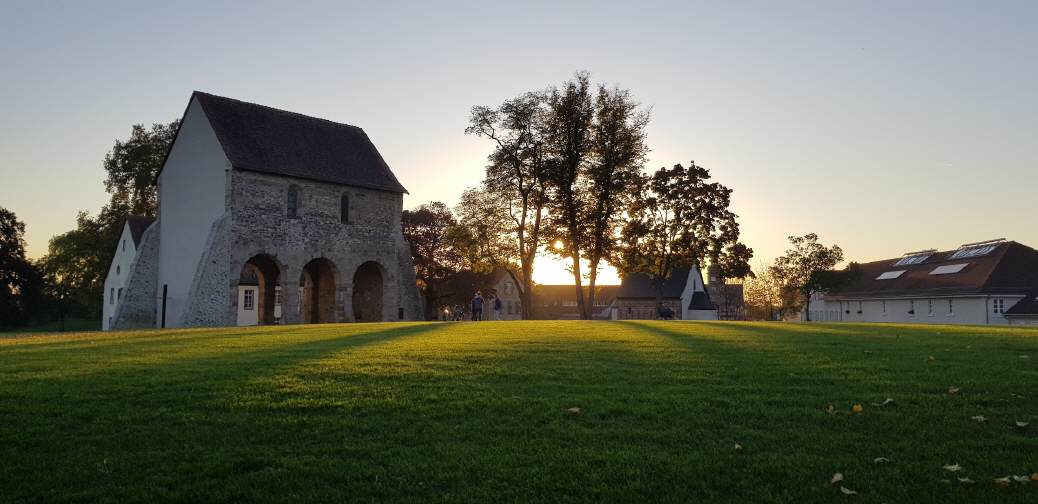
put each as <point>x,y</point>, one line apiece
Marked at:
<point>883,126</point>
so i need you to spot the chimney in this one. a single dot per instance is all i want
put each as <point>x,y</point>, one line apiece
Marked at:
<point>712,274</point>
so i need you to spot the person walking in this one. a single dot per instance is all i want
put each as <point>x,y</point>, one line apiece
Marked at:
<point>477,306</point>
<point>497,308</point>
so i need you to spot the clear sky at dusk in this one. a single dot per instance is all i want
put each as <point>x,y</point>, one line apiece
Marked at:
<point>885,127</point>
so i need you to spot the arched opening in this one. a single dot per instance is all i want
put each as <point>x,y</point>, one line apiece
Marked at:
<point>344,209</point>
<point>317,286</point>
<point>367,293</point>
<point>258,285</point>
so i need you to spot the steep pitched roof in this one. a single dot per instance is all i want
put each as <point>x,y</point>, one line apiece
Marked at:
<point>1009,268</point>
<point>641,286</point>
<point>138,225</point>
<point>1026,306</point>
<point>277,142</point>
<point>701,301</point>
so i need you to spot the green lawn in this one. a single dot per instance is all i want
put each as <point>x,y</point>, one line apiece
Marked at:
<point>479,412</point>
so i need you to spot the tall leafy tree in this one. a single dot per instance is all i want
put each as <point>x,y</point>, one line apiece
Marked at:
<point>763,294</point>
<point>617,155</point>
<point>679,220</point>
<point>516,182</point>
<point>427,229</point>
<point>798,269</point>
<point>19,279</point>
<point>568,133</point>
<point>133,165</point>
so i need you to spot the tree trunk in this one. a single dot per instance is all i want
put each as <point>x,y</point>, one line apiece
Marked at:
<point>592,276</point>
<point>807,307</point>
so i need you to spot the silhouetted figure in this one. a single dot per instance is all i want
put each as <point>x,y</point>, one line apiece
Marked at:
<point>477,306</point>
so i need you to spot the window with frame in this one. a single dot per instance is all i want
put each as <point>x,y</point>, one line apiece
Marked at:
<point>119,294</point>
<point>293,202</point>
<point>250,299</point>
<point>884,307</point>
<point>951,307</point>
<point>930,306</point>
<point>998,305</point>
<point>277,296</point>
<point>911,307</point>
<point>344,209</point>
<point>118,269</point>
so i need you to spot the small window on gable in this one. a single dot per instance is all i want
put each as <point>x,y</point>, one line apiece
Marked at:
<point>344,209</point>
<point>293,202</point>
<point>118,269</point>
<point>124,245</point>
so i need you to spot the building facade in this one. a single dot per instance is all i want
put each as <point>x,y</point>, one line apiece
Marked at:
<point>683,293</point>
<point>974,284</point>
<point>119,270</point>
<point>249,193</point>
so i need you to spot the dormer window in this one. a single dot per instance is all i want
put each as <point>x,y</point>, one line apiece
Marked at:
<point>293,202</point>
<point>344,209</point>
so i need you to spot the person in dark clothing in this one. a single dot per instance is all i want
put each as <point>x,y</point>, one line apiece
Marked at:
<point>477,306</point>
<point>497,308</point>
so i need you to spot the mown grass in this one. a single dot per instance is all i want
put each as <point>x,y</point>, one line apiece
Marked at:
<point>478,412</point>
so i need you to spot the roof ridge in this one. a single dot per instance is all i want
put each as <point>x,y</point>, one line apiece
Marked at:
<point>283,111</point>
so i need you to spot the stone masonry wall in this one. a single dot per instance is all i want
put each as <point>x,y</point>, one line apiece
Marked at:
<point>259,225</point>
<point>137,308</point>
<point>206,303</point>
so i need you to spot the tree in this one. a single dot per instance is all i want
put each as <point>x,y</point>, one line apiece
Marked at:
<point>679,219</point>
<point>515,182</point>
<point>733,263</point>
<point>763,294</point>
<point>426,229</point>
<point>617,155</point>
<point>19,278</point>
<point>568,130</point>
<point>133,166</point>
<point>797,266</point>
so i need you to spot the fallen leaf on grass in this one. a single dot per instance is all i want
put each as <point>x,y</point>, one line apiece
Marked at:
<point>838,477</point>
<point>830,410</point>
<point>738,446</point>
<point>1022,425</point>
<point>1034,477</point>
<point>953,468</point>
<point>847,491</point>
<point>931,359</point>
<point>1003,482</point>
<point>574,411</point>
<point>880,460</point>
<point>979,418</point>
<point>857,408</point>
<point>884,403</point>
<point>953,390</point>
<point>1025,356</point>
<point>1023,480</point>
<point>966,481</point>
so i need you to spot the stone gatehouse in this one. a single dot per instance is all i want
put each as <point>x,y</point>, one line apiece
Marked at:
<point>293,218</point>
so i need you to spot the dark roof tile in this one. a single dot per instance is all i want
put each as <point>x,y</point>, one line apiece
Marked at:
<point>138,225</point>
<point>268,140</point>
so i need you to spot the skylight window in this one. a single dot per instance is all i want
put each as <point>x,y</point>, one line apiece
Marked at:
<point>890,275</point>
<point>912,259</point>
<point>948,269</point>
<point>976,249</point>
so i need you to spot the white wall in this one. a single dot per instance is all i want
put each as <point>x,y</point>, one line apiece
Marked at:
<point>694,284</point>
<point>118,273</point>
<point>191,197</point>
<point>964,310</point>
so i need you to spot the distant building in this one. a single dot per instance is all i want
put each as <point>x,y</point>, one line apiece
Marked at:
<point>976,283</point>
<point>1025,311</point>
<point>728,298</point>
<point>559,302</point>
<point>503,287</point>
<point>684,293</point>
<point>119,270</point>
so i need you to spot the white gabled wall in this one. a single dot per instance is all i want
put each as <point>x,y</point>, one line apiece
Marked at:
<point>118,272</point>
<point>192,195</point>
<point>966,309</point>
